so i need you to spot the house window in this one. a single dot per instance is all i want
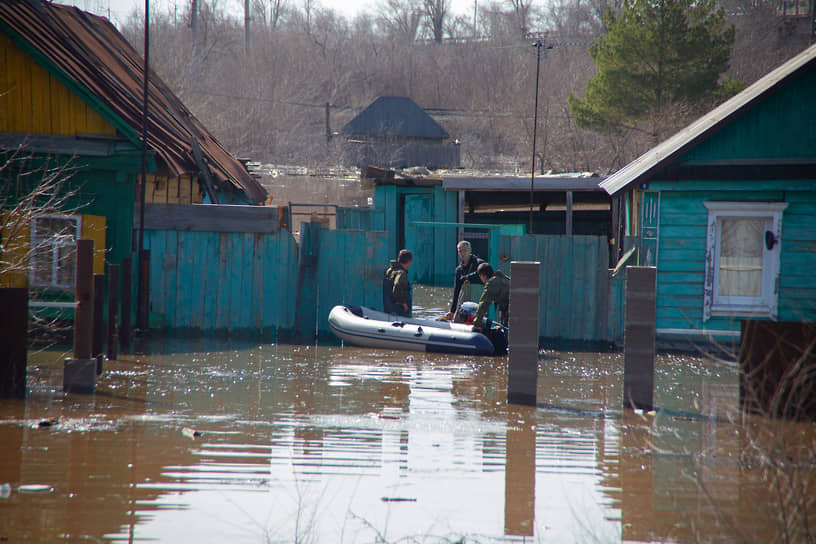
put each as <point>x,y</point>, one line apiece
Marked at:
<point>53,255</point>
<point>742,258</point>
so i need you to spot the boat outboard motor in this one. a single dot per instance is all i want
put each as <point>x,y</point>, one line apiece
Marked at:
<point>466,313</point>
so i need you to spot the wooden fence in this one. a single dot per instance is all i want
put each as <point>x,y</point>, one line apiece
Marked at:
<point>579,300</point>
<point>231,268</point>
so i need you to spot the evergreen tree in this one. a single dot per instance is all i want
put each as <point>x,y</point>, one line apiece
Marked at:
<point>660,60</point>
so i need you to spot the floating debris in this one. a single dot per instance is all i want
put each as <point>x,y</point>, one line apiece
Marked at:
<point>190,433</point>
<point>49,422</point>
<point>35,488</point>
<point>5,491</point>
<point>398,499</point>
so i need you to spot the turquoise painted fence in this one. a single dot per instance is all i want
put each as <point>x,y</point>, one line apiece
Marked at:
<point>256,282</point>
<point>222,281</point>
<point>336,267</point>
<point>579,300</point>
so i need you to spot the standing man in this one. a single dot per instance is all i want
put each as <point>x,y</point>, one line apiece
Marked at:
<point>465,274</point>
<point>396,287</point>
<point>496,291</point>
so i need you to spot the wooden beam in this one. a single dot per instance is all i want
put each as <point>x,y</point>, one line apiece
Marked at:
<point>211,218</point>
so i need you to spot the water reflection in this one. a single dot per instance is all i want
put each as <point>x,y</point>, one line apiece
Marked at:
<point>329,444</point>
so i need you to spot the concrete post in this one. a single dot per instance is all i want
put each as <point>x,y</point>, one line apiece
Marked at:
<point>79,373</point>
<point>522,367</point>
<point>639,337</point>
<point>13,341</point>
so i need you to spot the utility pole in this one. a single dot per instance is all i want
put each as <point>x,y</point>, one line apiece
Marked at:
<point>538,44</point>
<point>141,319</point>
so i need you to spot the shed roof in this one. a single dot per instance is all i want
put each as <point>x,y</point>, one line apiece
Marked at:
<point>88,55</point>
<point>642,168</point>
<point>542,183</point>
<point>394,116</point>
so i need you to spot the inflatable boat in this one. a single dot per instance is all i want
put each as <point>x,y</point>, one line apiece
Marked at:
<point>362,326</point>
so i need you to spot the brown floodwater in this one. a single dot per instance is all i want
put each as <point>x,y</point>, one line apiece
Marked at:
<point>208,441</point>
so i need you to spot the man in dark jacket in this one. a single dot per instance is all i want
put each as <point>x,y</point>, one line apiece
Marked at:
<point>496,290</point>
<point>396,287</point>
<point>465,274</point>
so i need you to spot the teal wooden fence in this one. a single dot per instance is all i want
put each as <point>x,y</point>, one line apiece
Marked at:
<point>233,279</point>
<point>580,301</point>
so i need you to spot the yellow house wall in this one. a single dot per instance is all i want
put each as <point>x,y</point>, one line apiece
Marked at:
<point>32,101</point>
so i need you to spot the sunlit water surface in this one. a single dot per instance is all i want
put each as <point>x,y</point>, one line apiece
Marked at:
<point>207,441</point>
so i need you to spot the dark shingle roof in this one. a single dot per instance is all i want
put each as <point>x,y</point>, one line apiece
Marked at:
<point>87,54</point>
<point>642,167</point>
<point>394,116</point>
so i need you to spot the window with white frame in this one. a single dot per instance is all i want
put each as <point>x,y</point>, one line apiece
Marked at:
<point>742,258</point>
<point>53,245</point>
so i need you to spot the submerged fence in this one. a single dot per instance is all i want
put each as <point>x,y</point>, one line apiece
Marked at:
<point>232,268</point>
<point>580,301</point>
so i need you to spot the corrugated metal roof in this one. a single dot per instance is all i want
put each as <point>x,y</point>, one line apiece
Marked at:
<point>394,116</point>
<point>546,183</point>
<point>91,57</point>
<point>641,168</point>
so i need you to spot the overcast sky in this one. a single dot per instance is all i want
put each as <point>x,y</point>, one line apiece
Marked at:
<point>118,10</point>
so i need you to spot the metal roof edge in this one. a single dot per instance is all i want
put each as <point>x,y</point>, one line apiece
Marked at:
<point>703,126</point>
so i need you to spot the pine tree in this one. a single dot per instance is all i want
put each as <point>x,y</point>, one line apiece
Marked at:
<point>659,57</point>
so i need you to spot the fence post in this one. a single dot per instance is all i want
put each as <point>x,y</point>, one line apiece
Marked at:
<point>143,302</point>
<point>639,337</point>
<point>13,341</point>
<point>98,320</point>
<point>522,366</point>
<point>79,373</point>
<point>113,311</point>
<point>127,288</point>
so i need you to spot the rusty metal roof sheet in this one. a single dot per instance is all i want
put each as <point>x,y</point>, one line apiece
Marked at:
<point>87,54</point>
<point>641,168</point>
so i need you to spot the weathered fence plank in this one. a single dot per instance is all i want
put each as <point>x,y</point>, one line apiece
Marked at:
<point>577,301</point>
<point>208,218</point>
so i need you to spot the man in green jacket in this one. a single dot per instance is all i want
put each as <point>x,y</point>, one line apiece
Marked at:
<point>396,287</point>
<point>496,291</point>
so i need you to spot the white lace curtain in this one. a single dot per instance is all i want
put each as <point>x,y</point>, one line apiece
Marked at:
<point>740,272</point>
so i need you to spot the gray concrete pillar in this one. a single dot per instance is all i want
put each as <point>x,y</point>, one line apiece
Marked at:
<point>522,367</point>
<point>639,337</point>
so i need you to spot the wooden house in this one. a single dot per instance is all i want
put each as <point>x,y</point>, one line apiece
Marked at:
<point>71,98</point>
<point>394,132</point>
<point>726,210</point>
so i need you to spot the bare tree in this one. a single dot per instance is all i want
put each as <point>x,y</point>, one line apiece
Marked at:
<point>401,19</point>
<point>521,11</point>
<point>436,12</point>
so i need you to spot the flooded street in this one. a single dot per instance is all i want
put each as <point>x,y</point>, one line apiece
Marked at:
<point>206,441</point>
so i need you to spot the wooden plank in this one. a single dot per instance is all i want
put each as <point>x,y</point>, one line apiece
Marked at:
<point>187,269</point>
<point>245,298</point>
<point>41,100</point>
<point>222,306</point>
<point>209,286</point>
<point>211,218</point>
<point>256,286</point>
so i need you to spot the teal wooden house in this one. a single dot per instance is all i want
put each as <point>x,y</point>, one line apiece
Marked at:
<point>726,210</point>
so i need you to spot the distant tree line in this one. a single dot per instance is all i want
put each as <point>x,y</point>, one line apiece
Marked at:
<point>475,73</point>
